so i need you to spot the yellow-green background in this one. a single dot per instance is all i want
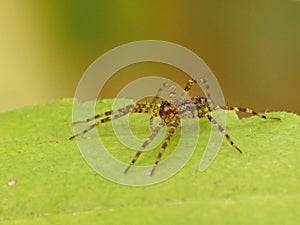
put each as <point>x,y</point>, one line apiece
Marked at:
<point>253,47</point>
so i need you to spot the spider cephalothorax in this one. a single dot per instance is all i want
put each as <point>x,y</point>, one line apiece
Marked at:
<point>168,111</point>
<point>171,112</point>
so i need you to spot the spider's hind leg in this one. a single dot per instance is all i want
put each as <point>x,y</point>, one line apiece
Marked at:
<point>108,113</point>
<point>111,115</point>
<point>147,108</point>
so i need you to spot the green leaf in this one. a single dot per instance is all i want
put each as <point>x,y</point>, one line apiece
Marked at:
<point>54,184</point>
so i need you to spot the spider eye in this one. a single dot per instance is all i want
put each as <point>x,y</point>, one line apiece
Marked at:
<point>165,103</point>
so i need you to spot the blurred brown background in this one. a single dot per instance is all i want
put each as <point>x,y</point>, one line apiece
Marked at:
<point>253,47</point>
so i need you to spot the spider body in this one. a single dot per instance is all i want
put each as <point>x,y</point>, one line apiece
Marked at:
<point>171,112</point>
<point>187,108</point>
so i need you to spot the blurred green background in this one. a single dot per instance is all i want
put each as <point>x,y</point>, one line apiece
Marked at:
<point>253,47</point>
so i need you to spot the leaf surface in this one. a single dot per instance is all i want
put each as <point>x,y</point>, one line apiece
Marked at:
<point>54,184</point>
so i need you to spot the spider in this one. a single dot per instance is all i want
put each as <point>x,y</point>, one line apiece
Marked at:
<point>171,112</point>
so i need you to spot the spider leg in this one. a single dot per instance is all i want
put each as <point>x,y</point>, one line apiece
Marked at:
<point>145,144</point>
<point>112,115</point>
<point>172,88</point>
<point>165,144</point>
<point>246,110</point>
<point>91,127</point>
<point>192,82</point>
<point>222,130</point>
<point>108,113</point>
<point>200,81</point>
<point>151,123</point>
<point>146,108</point>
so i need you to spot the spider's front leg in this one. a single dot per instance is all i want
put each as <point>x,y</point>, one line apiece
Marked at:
<point>236,109</point>
<point>222,130</point>
<point>145,144</point>
<point>165,144</point>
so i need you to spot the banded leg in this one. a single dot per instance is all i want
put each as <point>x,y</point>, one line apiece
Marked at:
<point>203,81</point>
<point>151,123</point>
<point>191,83</point>
<point>246,110</point>
<point>172,88</point>
<point>145,144</point>
<point>222,130</point>
<point>146,108</point>
<point>111,115</point>
<point>164,146</point>
<point>108,113</point>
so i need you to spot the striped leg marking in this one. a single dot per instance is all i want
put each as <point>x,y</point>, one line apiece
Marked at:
<point>145,144</point>
<point>191,83</point>
<point>245,110</point>
<point>172,88</point>
<point>111,115</point>
<point>164,146</point>
<point>222,130</point>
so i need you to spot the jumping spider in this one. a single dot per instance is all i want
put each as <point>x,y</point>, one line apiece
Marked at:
<point>171,112</point>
